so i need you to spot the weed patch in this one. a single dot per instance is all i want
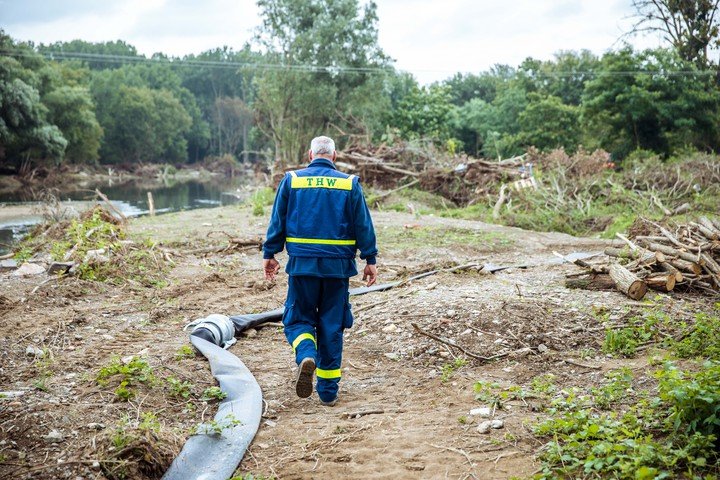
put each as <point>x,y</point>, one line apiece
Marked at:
<point>641,442</point>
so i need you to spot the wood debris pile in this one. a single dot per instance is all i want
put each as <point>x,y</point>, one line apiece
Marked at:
<point>686,258</point>
<point>461,180</point>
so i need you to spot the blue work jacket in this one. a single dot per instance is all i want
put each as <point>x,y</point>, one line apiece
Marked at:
<point>321,217</point>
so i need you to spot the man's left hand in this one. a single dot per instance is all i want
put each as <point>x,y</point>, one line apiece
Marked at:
<point>271,268</point>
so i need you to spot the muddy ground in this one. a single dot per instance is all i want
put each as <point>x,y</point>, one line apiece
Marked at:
<point>57,422</point>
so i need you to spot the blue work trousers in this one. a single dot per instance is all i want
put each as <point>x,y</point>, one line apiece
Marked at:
<point>317,311</point>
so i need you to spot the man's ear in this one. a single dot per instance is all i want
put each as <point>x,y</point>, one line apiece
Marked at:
<point>310,155</point>
<point>334,156</point>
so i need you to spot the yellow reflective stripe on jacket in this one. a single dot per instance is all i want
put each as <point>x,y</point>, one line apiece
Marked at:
<point>321,182</point>
<point>328,374</point>
<point>300,338</point>
<point>319,241</point>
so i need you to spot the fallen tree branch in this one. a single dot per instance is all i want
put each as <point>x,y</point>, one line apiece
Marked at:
<point>455,345</point>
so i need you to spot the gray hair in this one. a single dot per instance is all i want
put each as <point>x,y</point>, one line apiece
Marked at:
<point>322,145</point>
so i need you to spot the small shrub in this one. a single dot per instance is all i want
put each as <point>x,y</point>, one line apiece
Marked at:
<point>701,339</point>
<point>622,342</point>
<point>694,398</point>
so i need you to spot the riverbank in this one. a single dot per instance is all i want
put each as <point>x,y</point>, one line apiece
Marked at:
<point>422,403</point>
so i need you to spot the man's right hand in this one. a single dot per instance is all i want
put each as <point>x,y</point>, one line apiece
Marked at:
<point>271,267</point>
<point>370,274</point>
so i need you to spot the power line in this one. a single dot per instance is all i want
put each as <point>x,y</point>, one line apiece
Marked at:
<point>332,69</point>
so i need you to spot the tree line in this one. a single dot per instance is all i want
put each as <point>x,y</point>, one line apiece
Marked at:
<point>316,67</point>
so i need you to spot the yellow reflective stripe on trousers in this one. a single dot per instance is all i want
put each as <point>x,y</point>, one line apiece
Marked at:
<point>333,183</point>
<point>328,374</point>
<point>300,338</point>
<point>319,241</point>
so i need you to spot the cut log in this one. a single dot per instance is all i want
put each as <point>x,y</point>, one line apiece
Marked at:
<point>627,282</point>
<point>621,253</point>
<point>594,282</point>
<point>672,270</point>
<point>673,252</point>
<point>708,233</point>
<point>707,223</point>
<point>685,266</point>
<point>661,281</point>
<point>650,238</point>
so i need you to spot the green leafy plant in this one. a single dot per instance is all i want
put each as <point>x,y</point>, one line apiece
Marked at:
<point>449,369</point>
<point>179,388</point>
<point>185,351</point>
<point>213,393</point>
<point>617,386</point>
<point>135,371</point>
<point>702,339</point>
<point>641,443</point>
<point>694,398</point>
<point>215,427</point>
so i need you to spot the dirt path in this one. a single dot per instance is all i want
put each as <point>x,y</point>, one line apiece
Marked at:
<point>417,392</point>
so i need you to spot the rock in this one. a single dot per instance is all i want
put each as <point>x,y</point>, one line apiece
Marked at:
<point>482,411</point>
<point>392,356</point>
<point>485,426</point>
<point>28,269</point>
<point>95,465</point>
<point>542,348</point>
<point>109,338</point>
<point>59,268</point>
<point>8,264</point>
<point>450,313</point>
<point>33,350</point>
<point>54,437</point>
<point>431,286</point>
<point>390,328</point>
<point>95,426</point>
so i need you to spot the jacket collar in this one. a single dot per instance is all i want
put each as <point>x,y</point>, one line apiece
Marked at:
<point>322,162</point>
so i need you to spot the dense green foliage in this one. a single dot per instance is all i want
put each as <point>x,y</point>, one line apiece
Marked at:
<point>316,67</point>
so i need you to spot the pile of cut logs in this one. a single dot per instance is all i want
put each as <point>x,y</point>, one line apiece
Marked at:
<point>687,259</point>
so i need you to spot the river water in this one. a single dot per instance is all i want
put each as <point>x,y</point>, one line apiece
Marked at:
<point>131,198</point>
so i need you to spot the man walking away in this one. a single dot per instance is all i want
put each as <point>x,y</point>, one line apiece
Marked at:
<point>321,214</point>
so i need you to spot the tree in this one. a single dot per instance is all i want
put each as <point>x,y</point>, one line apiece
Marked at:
<point>212,80</point>
<point>652,108</point>
<point>143,125</point>
<point>691,26</point>
<point>26,136</point>
<point>234,119</point>
<point>548,123</point>
<point>424,113</point>
<point>72,111</point>
<point>325,50</point>
<point>97,56</point>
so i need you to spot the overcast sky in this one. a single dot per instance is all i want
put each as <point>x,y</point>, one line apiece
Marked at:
<point>431,39</point>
